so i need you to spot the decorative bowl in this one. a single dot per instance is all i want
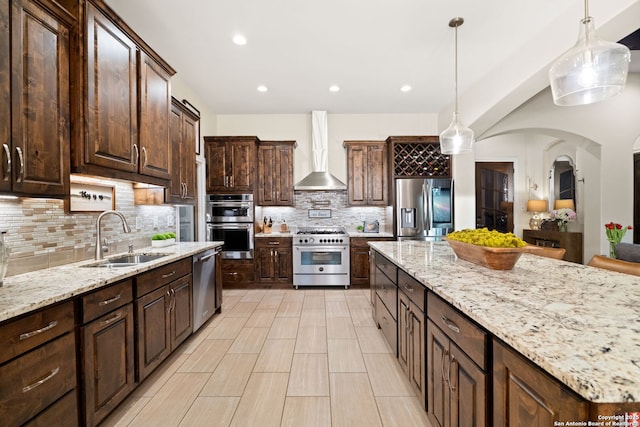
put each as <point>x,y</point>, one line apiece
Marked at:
<point>493,258</point>
<point>162,243</point>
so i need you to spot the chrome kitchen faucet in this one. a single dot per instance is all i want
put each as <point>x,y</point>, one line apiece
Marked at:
<point>125,227</point>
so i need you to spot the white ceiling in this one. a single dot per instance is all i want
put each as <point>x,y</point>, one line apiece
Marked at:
<point>370,48</point>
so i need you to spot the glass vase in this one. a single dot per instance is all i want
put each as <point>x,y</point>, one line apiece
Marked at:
<point>562,226</point>
<point>612,249</point>
<point>4,256</point>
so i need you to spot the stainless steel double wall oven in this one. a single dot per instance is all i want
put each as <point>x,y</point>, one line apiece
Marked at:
<point>230,220</point>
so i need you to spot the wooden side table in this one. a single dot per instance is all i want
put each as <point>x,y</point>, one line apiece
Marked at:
<point>571,241</point>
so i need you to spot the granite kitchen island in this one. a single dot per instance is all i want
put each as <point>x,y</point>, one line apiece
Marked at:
<point>579,324</point>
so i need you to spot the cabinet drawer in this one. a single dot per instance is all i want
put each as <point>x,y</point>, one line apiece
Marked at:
<point>26,333</point>
<point>103,301</point>
<point>63,413</point>
<point>387,267</point>
<point>237,271</point>
<point>464,333</point>
<point>35,380</point>
<point>412,288</point>
<point>154,279</point>
<point>273,242</point>
<point>387,292</point>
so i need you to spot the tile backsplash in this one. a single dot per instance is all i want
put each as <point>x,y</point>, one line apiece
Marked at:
<point>336,201</point>
<point>41,234</point>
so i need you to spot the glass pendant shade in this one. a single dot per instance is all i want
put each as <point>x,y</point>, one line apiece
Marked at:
<point>457,138</point>
<point>590,71</point>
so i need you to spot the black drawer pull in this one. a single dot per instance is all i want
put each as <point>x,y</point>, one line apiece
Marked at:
<point>109,301</point>
<point>450,324</point>
<point>164,276</point>
<point>42,381</point>
<point>26,335</point>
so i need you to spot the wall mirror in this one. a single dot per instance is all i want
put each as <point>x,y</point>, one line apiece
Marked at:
<point>562,183</point>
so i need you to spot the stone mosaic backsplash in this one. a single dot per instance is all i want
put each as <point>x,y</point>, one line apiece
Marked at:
<point>341,214</point>
<point>41,234</point>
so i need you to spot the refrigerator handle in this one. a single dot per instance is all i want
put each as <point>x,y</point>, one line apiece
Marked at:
<point>427,214</point>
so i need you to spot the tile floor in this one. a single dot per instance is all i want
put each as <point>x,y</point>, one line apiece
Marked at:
<point>280,358</point>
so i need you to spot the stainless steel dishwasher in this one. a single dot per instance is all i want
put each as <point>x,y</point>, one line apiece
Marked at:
<point>207,286</point>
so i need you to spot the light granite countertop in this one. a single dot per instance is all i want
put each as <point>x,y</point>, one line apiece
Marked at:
<point>580,324</point>
<point>27,292</point>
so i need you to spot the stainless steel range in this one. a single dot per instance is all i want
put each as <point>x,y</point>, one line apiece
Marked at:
<point>321,257</point>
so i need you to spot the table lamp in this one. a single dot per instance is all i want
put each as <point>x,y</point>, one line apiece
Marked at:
<point>537,207</point>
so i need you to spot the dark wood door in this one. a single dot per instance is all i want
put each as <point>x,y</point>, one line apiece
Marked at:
<point>181,310</point>
<point>108,362</point>
<point>438,406</point>
<point>284,265</point>
<point>524,395</point>
<point>417,356</point>
<point>357,175</point>
<point>153,322</point>
<point>494,196</point>
<point>377,175</point>
<point>359,265</point>
<point>155,105</point>
<point>5,98</point>
<point>403,332</point>
<point>190,135</point>
<point>40,100</point>
<point>265,264</point>
<point>112,101</point>
<point>176,187</point>
<point>636,197</point>
<point>267,175</point>
<point>284,174</point>
<point>216,158</point>
<point>468,391</point>
<point>242,165</point>
<point>367,175</point>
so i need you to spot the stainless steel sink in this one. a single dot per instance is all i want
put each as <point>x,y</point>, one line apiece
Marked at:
<point>127,260</point>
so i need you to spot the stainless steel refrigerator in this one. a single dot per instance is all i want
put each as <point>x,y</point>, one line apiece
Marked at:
<point>424,208</point>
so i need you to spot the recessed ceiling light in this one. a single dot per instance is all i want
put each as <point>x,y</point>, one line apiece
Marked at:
<point>406,88</point>
<point>334,88</point>
<point>239,39</point>
<point>262,88</point>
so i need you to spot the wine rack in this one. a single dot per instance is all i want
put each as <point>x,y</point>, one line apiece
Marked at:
<point>420,160</point>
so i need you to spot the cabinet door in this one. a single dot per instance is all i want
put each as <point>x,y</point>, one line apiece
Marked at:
<point>190,135</point>
<point>181,310</point>
<point>417,355</point>
<point>153,343</point>
<point>468,391</point>
<point>403,331</point>
<point>284,175</point>
<point>108,362</point>
<point>524,395</point>
<point>267,176</point>
<point>357,174</point>
<point>5,99</point>
<point>176,188</point>
<point>359,265</point>
<point>40,101</point>
<point>438,409</point>
<point>155,104</point>
<point>242,165</point>
<point>216,158</point>
<point>265,265</point>
<point>111,115</point>
<point>284,265</point>
<point>377,175</point>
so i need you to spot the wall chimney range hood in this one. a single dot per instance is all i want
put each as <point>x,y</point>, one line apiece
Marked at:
<point>320,179</point>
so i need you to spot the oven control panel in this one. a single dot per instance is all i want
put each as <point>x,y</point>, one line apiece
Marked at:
<point>322,241</point>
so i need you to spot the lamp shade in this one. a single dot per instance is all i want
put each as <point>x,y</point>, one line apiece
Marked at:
<point>537,206</point>
<point>457,138</point>
<point>564,204</point>
<point>590,71</point>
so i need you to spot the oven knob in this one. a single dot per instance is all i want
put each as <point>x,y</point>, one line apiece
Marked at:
<point>310,240</point>
<point>321,269</point>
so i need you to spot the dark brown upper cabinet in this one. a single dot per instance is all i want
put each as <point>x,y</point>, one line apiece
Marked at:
<point>123,80</point>
<point>275,173</point>
<point>231,163</point>
<point>35,98</point>
<point>184,137</point>
<point>367,173</point>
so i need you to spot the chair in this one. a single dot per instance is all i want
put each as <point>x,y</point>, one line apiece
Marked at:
<point>613,264</point>
<point>555,253</point>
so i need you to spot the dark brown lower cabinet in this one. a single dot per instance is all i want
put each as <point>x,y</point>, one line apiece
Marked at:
<point>164,321</point>
<point>237,273</point>
<point>274,260</point>
<point>456,386</point>
<point>524,395</point>
<point>108,362</point>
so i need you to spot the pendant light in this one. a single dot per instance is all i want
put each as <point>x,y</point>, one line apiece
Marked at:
<point>456,138</point>
<point>590,71</point>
